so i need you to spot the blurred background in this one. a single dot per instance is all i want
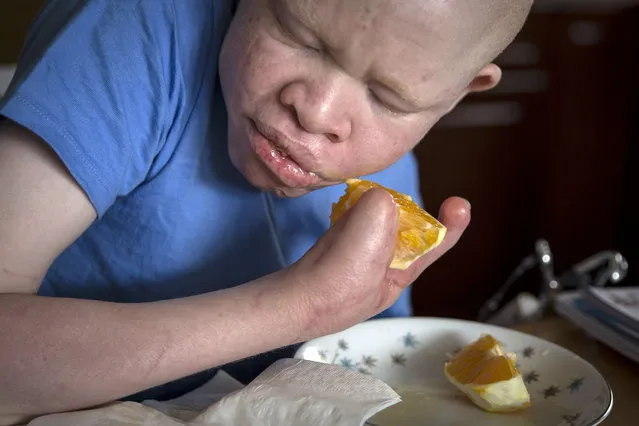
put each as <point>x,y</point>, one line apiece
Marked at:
<point>551,153</point>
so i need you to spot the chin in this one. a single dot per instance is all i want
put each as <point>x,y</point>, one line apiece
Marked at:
<point>290,192</point>
<point>264,182</point>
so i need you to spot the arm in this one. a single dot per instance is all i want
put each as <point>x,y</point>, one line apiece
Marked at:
<point>55,352</point>
<point>65,354</point>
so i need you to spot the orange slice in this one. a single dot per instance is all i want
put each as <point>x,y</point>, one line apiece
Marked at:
<point>488,376</point>
<point>418,232</point>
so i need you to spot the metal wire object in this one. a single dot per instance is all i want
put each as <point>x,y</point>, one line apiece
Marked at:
<point>601,269</point>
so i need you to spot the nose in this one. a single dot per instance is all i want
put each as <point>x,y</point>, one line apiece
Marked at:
<point>320,107</point>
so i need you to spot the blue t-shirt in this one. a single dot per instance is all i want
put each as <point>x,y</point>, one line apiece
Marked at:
<point>127,94</point>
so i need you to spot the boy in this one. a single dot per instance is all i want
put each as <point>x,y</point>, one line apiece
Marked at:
<point>159,218</point>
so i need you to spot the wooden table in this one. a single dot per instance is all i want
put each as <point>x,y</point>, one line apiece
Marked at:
<point>621,373</point>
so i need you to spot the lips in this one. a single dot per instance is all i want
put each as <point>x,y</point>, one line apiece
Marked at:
<point>280,151</point>
<point>270,147</point>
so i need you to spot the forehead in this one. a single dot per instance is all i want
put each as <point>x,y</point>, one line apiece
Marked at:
<point>408,41</point>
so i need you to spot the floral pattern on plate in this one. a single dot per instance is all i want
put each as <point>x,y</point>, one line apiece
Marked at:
<point>565,390</point>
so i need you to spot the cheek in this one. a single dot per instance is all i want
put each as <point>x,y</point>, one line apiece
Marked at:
<point>378,147</point>
<point>262,66</point>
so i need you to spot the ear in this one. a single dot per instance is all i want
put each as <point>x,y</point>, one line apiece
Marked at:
<point>486,79</point>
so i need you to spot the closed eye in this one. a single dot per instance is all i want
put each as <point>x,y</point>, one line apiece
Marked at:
<point>391,109</point>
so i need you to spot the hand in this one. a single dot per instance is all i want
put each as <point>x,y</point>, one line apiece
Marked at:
<point>345,278</point>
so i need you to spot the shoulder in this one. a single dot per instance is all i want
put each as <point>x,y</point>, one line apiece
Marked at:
<point>105,83</point>
<point>180,34</point>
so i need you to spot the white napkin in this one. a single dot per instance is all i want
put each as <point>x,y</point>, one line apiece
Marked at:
<point>291,392</point>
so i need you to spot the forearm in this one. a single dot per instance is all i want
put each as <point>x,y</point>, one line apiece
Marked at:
<point>65,354</point>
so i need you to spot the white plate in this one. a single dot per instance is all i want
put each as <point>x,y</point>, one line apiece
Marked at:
<point>409,355</point>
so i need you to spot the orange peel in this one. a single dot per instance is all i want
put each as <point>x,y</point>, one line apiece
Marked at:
<point>488,375</point>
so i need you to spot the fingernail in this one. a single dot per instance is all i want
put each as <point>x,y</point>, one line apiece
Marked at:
<point>468,206</point>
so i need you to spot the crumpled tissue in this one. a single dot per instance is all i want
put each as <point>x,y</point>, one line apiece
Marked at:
<point>291,392</point>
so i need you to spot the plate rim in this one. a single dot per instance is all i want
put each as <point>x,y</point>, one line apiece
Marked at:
<point>603,416</point>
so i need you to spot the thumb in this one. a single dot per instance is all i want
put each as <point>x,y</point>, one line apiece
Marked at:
<point>362,239</point>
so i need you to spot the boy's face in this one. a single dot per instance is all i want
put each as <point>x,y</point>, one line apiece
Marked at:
<point>321,91</point>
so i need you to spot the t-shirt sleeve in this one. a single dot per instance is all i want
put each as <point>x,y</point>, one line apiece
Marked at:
<point>96,82</point>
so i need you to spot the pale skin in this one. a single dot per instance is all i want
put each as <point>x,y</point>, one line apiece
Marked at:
<point>352,105</point>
